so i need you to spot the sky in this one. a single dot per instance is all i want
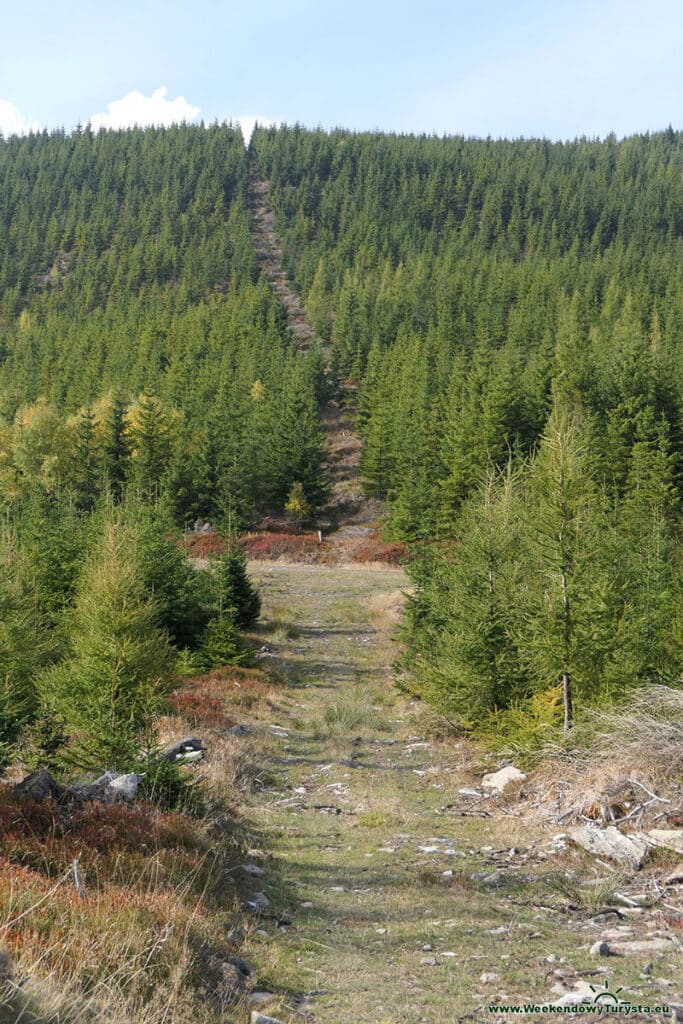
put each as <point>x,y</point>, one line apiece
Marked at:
<point>552,68</point>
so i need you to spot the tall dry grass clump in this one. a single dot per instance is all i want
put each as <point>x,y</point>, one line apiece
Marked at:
<point>611,754</point>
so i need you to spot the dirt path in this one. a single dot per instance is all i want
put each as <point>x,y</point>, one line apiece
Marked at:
<point>400,898</point>
<point>269,260</point>
<point>350,519</point>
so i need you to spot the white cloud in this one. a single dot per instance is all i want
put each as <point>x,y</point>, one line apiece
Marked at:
<point>247,123</point>
<point>136,109</point>
<point>12,122</point>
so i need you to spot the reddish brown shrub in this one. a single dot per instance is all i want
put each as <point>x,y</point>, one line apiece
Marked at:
<point>270,546</point>
<point>205,545</point>
<point>376,550</point>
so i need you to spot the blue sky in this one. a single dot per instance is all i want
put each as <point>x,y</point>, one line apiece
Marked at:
<point>557,68</point>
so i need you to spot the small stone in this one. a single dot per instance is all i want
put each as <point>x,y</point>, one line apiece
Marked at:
<point>253,869</point>
<point>600,949</point>
<point>428,961</point>
<point>259,903</point>
<point>642,946</point>
<point>257,998</point>
<point>259,1018</point>
<point>488,977</point>
<point>497,781</point>
<point>552,959</point>
<point>669,838</point>
<point>674,877</point>
<point>629,851</point>
<point>427,948</point>
<point>381,931</point>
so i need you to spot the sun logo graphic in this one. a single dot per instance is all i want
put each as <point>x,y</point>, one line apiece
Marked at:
<point>605,997</point>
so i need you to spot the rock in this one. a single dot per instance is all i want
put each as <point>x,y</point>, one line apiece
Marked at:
<point>253,869</point>
<point>126,785</point>
<point>488,977</point>
<point>600,949</point>
<point>259,1018</point>
<point>629,851</point>
<point>616,934</point>
<point>669,838</point>
<point>38,786</point>
<point>642,946</point>
<point>242,965</point>
<point>258,998</point>
<point>427,948</point>
<point>230,980</point>
<point>493,878</point>
<point>497,781</point>
<point>238,730</point>
<point>674,877</point>
<point>109,788</point>
<point>428,961</point>
<point>259,903</point>
<point>184,751</point>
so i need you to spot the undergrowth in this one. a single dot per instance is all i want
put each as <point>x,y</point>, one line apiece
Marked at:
<point>111,913</point>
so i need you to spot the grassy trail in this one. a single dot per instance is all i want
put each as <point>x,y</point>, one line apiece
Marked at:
<point>370,847</point>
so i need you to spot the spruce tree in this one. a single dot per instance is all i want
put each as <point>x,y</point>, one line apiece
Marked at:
<point>234,588</point>
<point>472,667</point>
<point>113,685</point>
<point>564,536</point>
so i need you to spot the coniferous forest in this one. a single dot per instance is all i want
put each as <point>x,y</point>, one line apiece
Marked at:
<point>504,318</point>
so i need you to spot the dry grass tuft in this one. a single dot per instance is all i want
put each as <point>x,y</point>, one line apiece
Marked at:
<point>599,772</point>
<point>385,609</point>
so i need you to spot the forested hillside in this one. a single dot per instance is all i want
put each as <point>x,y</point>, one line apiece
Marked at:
<point>512,313</point>
<point>148,376</point>
<point>136,330</point>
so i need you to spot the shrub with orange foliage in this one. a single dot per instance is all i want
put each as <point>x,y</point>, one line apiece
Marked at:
<point>376,550</point>
<point>205,545</point>
<point>271,546</point>
<point>205,701</point>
